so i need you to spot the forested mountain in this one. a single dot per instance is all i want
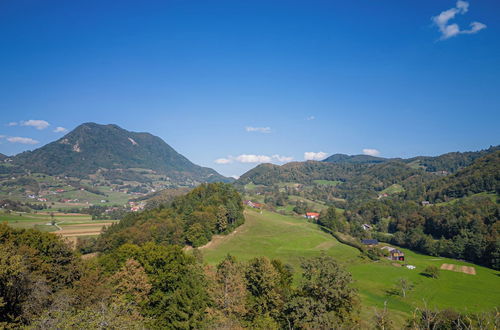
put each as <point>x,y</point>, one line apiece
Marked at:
<point>112,150</point>
<point>361,177</point>
<point>355,159</point>
<point>450,162</point>
<point>354,181</point>
<point>482,176</point>
<point>2,157</point>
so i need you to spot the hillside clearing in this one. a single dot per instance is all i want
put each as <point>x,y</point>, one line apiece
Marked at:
<point>291,238</point>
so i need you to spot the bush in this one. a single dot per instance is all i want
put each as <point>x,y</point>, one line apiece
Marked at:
<point>431,272</point>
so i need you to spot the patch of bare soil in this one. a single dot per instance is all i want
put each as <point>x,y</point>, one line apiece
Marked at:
<point>468,270</point>
<point>447,266</point>
<point>460,269</point>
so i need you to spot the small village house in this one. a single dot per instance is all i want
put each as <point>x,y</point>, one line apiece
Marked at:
<point>253,204</point>
<point>394,254</point>
<point>312,215</point>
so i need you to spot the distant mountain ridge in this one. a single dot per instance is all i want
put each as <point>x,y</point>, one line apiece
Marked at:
<point>449,162</point>
<point>366,171</point>
<point>93,147</point>
<point>355,159</point>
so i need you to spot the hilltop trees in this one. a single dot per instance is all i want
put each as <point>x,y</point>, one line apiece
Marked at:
<point>193,218</point>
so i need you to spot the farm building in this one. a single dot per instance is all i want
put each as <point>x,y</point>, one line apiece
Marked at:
<point>366,226</point>
<point>253,204</point>
<point>369,242</point>
<point>312,215</point>
<point>394,254</point>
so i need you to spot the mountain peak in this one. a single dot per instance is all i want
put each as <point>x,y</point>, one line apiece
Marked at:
<point>91,147</point>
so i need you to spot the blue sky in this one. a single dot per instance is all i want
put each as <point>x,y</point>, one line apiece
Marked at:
<point>231,83</point>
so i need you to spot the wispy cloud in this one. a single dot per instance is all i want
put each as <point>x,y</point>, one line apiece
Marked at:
<point>223,161</point>
<point>255,159</point>
<point>60,129</point>
<point>258,129</point>
<point>311,155</point>
<point>13,123</point>
<point>451,30</point>
<point>36,123</point>
<point>282,159</point>
<point>23,140</point>
<point>371,152</point>
<point>310,118</point>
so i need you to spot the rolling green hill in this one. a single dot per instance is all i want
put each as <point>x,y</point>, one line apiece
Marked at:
<point>292,238</point>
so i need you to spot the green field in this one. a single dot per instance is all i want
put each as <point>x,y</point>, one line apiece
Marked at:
<point>318,207</point>
<point>327,182</point>
<point>42,221</point>
<point>492,196</point>
<point>393,189</point>
<point>292,238</point>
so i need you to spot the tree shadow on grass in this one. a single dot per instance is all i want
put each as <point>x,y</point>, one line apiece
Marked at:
<point>392,292</point>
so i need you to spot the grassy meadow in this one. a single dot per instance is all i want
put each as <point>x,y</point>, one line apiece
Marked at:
<point>292,238</point>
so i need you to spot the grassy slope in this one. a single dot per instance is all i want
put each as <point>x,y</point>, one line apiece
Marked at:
<point>290,238</point>
<point>393,189</point>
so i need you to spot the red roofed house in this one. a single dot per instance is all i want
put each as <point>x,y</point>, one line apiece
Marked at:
<point>254,205</point>
<point>312,215</point>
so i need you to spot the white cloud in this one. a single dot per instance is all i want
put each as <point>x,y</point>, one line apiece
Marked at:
<point>13,123</point>
<point>2,136</point>
<point>371,152</point>
<point>253,159</point>
<point>236,177</point>
<point>249,158</point>
<point>258,129</point>
<point>282,159</point>
<point>311,118</point>
<point>23,140</point>
<point>223,161</point>
<point>452,30</point>
<point>38,124</point>
<point>60,129</point>
<point>311,155</point>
